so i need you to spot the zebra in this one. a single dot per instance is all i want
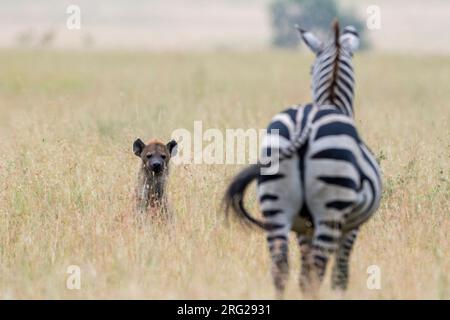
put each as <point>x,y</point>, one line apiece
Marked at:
<point>327,182</point>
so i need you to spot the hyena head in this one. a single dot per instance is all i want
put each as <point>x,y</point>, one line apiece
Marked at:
<point>155,155</point>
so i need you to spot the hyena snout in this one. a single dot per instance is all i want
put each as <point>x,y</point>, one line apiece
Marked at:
<point>156,163</point>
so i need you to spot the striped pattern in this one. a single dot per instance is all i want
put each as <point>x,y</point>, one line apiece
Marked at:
<point>328,182</point>
<point>333,79</point>
<point>324,192</point>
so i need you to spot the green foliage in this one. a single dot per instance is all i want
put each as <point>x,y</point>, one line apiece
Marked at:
<point>314,15</point>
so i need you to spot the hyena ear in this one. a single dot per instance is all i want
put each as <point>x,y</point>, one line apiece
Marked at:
<point>310,40</point>
<point>349,39</point>
<point>138,146</point>
<point>172,145</point>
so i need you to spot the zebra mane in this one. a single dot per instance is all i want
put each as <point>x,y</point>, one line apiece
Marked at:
<point>332,72</point>
<point>334,76</point>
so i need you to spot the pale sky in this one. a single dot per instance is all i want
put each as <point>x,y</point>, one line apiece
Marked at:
<point>406,25</point>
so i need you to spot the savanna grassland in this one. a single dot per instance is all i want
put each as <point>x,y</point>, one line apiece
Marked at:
<point>67,173</point>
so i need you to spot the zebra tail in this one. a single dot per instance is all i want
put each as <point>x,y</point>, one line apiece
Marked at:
<point>234,197</point>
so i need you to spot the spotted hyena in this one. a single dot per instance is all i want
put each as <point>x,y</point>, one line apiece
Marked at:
<point>152,175</point>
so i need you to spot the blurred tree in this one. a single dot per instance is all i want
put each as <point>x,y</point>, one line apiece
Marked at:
<point>25,38</point>
<point>314,15</point>
<point>47,38</point>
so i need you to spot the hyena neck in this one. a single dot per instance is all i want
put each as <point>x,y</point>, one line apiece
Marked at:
<point>155,184</point>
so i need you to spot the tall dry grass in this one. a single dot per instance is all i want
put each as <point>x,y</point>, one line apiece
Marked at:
<point>67,122</point>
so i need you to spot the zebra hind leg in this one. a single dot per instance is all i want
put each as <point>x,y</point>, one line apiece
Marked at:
<point>304,243</point>
<point>325,242</point>
<point>278,247</point>
<point>341,266</point>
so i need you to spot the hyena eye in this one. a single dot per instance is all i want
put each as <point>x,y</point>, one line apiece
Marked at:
<point>149,155</point>
<point>163,156</point>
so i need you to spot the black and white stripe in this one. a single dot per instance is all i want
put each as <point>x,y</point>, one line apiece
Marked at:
<point>327,183</point>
